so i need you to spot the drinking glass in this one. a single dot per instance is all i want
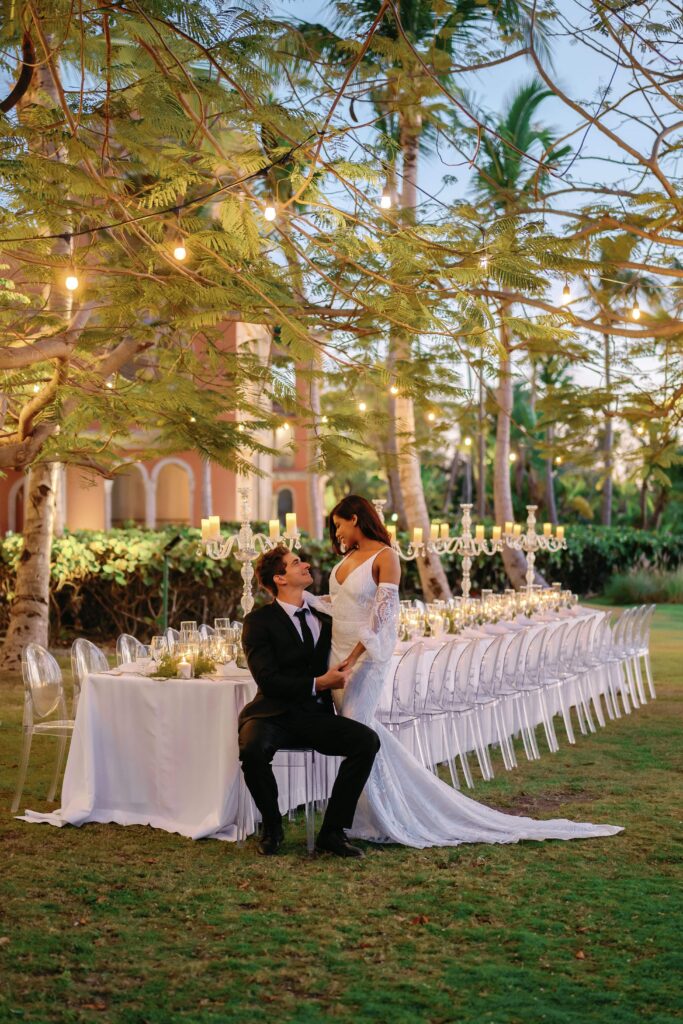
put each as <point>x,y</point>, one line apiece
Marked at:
<point>157,648</point>
<point>188,629</point>
<point>220,624</point>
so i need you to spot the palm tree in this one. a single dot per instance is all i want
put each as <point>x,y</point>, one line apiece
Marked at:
<point>423,37</point>
<point>509,183</point>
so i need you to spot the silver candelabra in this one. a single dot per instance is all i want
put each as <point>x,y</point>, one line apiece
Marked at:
<point>247,546</point>
<point>530,542</point>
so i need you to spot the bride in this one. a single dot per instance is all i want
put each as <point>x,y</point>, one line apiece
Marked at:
<point>402,802</point>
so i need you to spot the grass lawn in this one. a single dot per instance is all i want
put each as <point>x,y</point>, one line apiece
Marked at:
<point>133,925</point>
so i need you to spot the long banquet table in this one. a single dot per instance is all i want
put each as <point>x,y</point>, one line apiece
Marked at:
<point>165,754</point>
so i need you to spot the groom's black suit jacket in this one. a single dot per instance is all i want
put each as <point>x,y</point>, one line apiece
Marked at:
<point>282,669</point>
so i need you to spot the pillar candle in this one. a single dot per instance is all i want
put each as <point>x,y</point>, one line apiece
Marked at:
<point>516,530</point>
<point>274,529</point>
<point>290,520</point>
<point>508,527</point>
<point>479,532</point>
<point>205,530</point>
<point>434,531</point>
<point>560,533</point>
<point>417,535</point>
<point>391,530</point>
<point>445,531</point>
<point>547,529</point>
<point>214,527</point>
<point>496,532</point>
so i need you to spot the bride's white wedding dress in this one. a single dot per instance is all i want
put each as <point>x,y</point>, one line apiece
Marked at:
<point>402,801</point>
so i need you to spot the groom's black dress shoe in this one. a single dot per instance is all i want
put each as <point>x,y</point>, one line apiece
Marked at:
<point>336,843</point>
<point>271,841</point>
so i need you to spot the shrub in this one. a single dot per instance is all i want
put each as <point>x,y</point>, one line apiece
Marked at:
<point>646,588</point>
<point>104,584</point>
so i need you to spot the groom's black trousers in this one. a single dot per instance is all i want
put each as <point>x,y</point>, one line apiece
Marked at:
<point>310,726</point>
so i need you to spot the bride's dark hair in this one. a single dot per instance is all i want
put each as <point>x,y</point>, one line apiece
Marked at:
<point>369,522</point>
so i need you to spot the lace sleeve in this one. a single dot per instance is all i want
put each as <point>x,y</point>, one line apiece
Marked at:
<point>379,637</point>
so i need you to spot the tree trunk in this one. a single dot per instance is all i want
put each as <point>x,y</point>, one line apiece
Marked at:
<point>29,619</point>
<point>514,561</point>
<point>401,410</point>
<point>551,505</point>
<point>481,445</point>
<point>643,505</point>
<point>317,522</point>
<point>608,442</point>
<point>450,484</point>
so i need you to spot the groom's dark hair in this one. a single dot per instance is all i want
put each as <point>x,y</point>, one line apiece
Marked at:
<point>269,565</point>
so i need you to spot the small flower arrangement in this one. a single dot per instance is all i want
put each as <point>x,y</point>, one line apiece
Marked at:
<point>168,666</point>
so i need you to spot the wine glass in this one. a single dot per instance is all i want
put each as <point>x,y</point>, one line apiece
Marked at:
<point>157,648</point>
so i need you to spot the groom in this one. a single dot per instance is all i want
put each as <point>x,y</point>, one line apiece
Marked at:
<point>287,645</point>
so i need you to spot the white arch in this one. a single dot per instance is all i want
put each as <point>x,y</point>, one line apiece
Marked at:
<point>171,460</point>
<point>12,502</point>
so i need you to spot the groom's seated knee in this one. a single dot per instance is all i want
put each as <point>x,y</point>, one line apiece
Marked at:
<point>253,743</point>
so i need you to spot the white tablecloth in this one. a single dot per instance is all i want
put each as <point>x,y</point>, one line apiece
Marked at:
<point>155,752</point>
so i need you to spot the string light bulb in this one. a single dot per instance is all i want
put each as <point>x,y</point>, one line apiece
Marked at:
<point>640,430</point>
<point>324,419</point>
<point>484,261</point>
<point>285,426</point>
<point>558,460</point>
<point>385,200</point>
<point>635,311</point>
<point>362,407</point>
<point>36,389</point>
<point>71,280</point>
<point>240,428</point>
<point>566,293</point>
<point>513,456</point>
<point>193,419</point>
<point>179,251</point>
<point>270,213</point>
<point>468,442</point>
<point>393,390</point>
<point>431,416</point>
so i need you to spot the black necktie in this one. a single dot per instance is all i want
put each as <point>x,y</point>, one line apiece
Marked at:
<point>309,643</point>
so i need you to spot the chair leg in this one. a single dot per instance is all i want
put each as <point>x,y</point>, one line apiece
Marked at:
<point>582,687</point>
<point>645,655</point>
<point>309,804</point>
<point>23,768</point>
<point>450,759</point>
<point>548,726</point>
<point>462,754</point>
<point>502,739</point>
<point>61,754</point>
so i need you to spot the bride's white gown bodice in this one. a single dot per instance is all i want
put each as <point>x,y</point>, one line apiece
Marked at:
<point>402,801</point>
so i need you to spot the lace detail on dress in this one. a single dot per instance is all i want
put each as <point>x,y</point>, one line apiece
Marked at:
<point>380,635</point>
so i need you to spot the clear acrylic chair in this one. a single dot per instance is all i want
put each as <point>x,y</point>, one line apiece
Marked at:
<point>291,758</point>
<point>464,686</point>
<point>43,696</point>
<point>172,638</point>
<point>440,719</point>
<point>532,679</point>
<point>205,631</point>
<point>403,713</point>
<point>639,648</point>
<point>128,650</point>
<point>488,694</point>
<point>511,681</point>
<point>86,657</point>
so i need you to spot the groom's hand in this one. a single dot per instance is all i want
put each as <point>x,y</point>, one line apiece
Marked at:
<point>332,680</point>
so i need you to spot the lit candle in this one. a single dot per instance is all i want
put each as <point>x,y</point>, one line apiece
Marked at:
<point>214,527</point>
<point>434,531</point>
<point>184,669</point>
<point>547,529</point>
<point>445,531</point>
<point>205,530</point>
<point>479,533</point>
<point>274,529</point>
<point>391,530</point>
<point>496,532</point>
<point>417,535</point>
<point>516,530</point>
<point>560,533</point>
<point>508,527</point>
<point>290,521</point>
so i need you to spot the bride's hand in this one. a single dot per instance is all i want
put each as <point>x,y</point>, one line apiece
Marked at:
<point>346,664</point>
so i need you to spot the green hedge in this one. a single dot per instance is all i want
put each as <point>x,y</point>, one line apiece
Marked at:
<point>104,584</point>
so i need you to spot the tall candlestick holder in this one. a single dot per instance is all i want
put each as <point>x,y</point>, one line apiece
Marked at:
<point>530,542</point>
<point>247,546</point>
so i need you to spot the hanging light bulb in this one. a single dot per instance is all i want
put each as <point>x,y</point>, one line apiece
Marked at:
<point>179,252</point>
<point>393,390</point>
<point>385,200</point>
<point>513,456</point>
<point>285,426</point>
<point>240,428</point>
<point>484,261</point>
<point>324,419</point>
<point>640,430</point>
<point>566,293</point>
<point>635,311</point>
<point>270,213</point>
<point>36,389</point>
<point>558,460</point>
<point>193,419</point>
<point>431,416</point>
<point>362,406</point>
<point>71,280</point>
<point>109,384</point>
<point>468,442</point>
